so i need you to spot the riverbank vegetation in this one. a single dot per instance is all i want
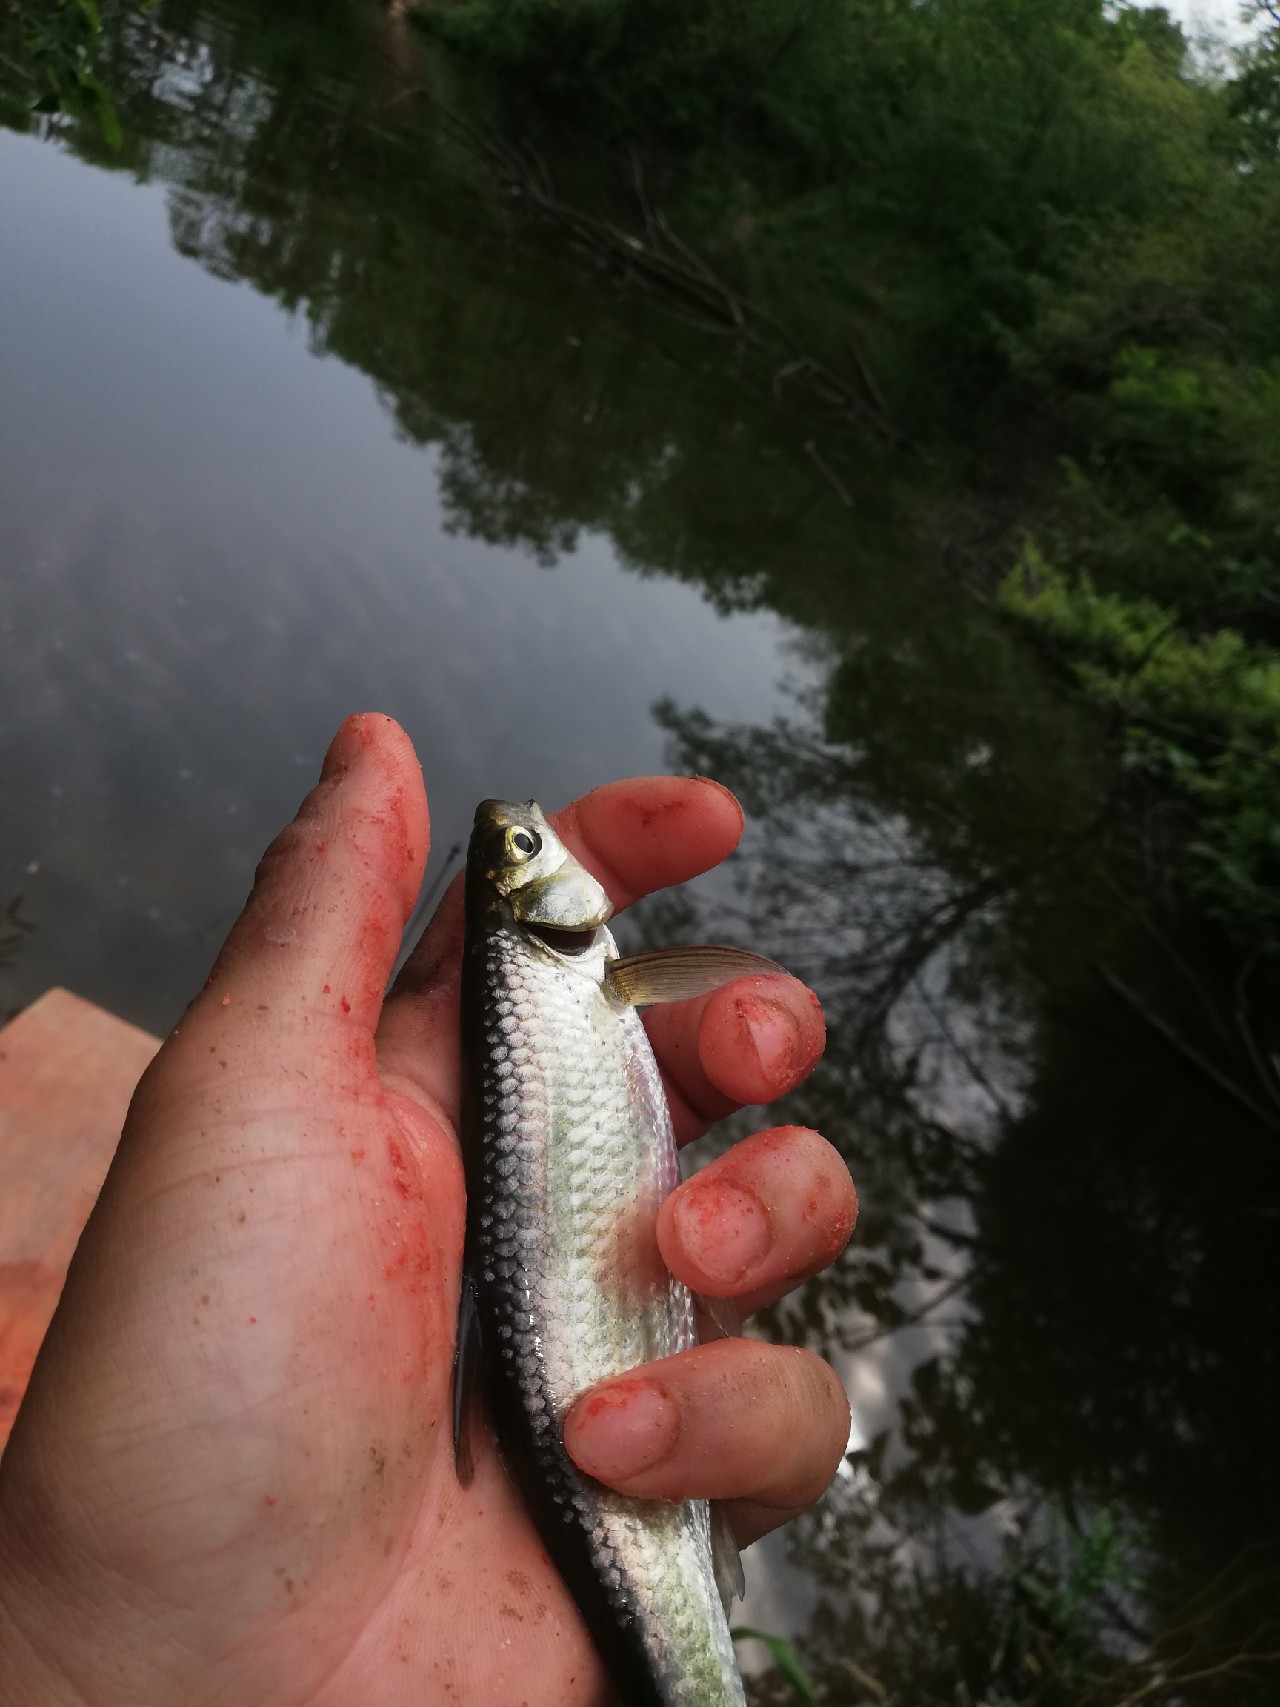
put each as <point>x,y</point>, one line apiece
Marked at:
<point>1043,233</point>
<point>59,47</point>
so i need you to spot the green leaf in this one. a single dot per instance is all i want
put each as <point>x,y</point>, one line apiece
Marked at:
<point>784,1657</point>
<point>108,118</point>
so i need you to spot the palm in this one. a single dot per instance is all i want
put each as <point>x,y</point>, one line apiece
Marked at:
<point>301,1410</point>
<point>239,1430</point>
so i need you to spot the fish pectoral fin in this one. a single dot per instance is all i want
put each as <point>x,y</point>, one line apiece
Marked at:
<point>718,1318</point>
<point>468,1366</point>
<point>726,1560</point>
<point>678,974</point>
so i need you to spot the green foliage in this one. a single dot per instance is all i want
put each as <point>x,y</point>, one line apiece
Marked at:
<point>1255,96</point>
<point>784,1657</point>
<point>909,170</point>
<point>1034,1628</point>
<point>1056,1616</point>
<point>60,47</point>
<point>1201,717</point>
<point>1054,239</point>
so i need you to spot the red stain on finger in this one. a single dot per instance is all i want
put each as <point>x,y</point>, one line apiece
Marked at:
<point>617,1396</point>
<point>405,1182</point>
<point>785,1048</point>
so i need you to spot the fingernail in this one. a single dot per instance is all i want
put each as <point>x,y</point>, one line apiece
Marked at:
<point>772,1034</point>
<point>724,1230</point>
<point>619,1430</point>
<point>775,1036</point>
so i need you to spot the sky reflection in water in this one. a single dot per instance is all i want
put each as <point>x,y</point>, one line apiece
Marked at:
<point>370,454</point>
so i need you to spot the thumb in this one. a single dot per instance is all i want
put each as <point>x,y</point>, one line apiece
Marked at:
<point>305,967</point>
<point>335,889</point>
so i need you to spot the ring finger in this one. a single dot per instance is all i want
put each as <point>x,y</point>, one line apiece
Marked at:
<point>752,1225</point>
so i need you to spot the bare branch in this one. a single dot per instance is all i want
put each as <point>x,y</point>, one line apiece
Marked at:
<point>828,473</point>
<point>1189,1053</point>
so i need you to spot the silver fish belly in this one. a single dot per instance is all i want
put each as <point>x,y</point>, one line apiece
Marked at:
<point>570,1153</point>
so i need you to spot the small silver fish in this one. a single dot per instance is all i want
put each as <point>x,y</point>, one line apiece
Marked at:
<point>569,1153</point>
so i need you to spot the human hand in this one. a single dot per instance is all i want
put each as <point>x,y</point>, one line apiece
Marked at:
<point>232,1477</point>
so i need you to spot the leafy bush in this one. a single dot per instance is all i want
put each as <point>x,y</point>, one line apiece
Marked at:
<point>60,46</point>
<point>1201,716</point>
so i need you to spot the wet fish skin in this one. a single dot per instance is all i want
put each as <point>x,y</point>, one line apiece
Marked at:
<point>569,1153</point>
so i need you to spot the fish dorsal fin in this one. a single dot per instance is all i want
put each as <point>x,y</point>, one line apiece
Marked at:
<point>726,1560</point>
<point>678,974</point>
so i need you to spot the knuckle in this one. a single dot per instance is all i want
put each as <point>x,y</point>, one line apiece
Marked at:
<point>284,847</point>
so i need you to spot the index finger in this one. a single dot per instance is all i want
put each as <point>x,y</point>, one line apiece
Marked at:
<point>646,833</point>
<point>650,832</point>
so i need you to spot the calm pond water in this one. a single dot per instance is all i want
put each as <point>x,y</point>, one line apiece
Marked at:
<point>296,419</point>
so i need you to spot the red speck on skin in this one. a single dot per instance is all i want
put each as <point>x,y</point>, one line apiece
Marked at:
<point>226,1001</point>
<point>253,1322</point>
<point>616,1397</point>
<point>716,1199</point>
<point>212,978</point>
<point>404,1180</point>
<point>271,1499</point>
<point>396,807</point>
<point>357,1156</point>
<point>326,990</point>
<point>726,1226</point>
<point>840,1232</point>
<point>345,1005</point>
<point>321,846</point>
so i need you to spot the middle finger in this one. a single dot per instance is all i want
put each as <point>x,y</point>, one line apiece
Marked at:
<point>752,1225</point>
<point>749,1042</point>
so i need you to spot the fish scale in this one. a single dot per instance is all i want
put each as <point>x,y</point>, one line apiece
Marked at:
<point>570,1153</point>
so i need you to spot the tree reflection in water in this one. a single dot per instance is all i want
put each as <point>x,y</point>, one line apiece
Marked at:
<point>1061,1269</point>
<point>1058,1316</point>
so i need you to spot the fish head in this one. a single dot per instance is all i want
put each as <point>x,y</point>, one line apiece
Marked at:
<point>516,858</point>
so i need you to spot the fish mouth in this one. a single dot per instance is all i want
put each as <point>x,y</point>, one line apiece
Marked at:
<point>565,941</point>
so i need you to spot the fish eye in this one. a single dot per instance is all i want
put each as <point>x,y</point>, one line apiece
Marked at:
<point>522,844</point>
